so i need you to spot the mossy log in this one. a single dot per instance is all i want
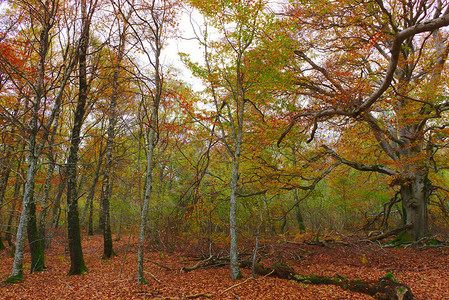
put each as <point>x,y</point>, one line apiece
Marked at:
<point>386,288</point>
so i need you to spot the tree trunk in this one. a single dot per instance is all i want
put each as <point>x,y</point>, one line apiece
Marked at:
<point>415,198</point>
<point>107,186</point>
<point>5,172</point>
<point>33,154</point>
<point>233,252</point>
<point>298,213</point>
<point>17,270</point>
<point>18,184</point>
<point>52,164</point>
<point>90,230</point>
<point>56,212</point>
<point>146,205</point>
<point>36,243</point>
<point>91,195</point>
<point>77,265</point>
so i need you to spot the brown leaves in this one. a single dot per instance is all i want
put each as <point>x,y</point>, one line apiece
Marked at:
<point>423,270</point>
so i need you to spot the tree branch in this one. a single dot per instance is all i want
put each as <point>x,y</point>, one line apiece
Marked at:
<point>358,166</point>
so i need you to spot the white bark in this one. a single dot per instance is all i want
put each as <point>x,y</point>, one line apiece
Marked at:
<point>146,205</point>
<point>22,228</point>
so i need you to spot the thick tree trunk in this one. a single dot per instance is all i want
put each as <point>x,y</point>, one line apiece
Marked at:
<point>415,198</point>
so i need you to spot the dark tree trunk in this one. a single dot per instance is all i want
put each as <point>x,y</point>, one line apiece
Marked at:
<point>36,243</point>
<point>77,265</point>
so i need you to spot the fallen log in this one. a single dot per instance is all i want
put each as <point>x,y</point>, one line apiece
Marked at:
<point>386,288</point>
<point>390,233</point>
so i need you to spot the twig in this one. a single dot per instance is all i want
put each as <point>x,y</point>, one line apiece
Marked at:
<point>236,285</point>
<point>68,285</point>
<point>154,277</point>
<point>207,295</point>
<point>159,265</point>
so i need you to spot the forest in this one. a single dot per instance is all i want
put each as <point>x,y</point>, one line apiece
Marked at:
<point>227,149</point>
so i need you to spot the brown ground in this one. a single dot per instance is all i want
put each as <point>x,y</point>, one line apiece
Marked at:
<point>424,270</point>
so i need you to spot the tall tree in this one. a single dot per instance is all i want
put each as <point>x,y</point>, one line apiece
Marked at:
<point>380,64</point>
<point>150,24</point>
<point>228,73</point>
<point>43,16</point>
<point>77,265</point>
<point>116,94</point>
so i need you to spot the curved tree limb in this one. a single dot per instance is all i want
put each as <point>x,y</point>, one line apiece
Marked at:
<point>395,51</point>
<point>359,166</point>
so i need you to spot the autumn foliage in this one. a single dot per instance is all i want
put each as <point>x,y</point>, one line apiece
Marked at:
<point>288,123</point>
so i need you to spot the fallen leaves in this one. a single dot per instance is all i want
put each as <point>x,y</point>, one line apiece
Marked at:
<point>423,270</point>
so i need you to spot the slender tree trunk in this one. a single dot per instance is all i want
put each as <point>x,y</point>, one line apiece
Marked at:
<point>56,212</point>
<point>235,271</point>
<point>238,138</point>
<point>91,195</point>
<point>146,205</point>
<point>90,230</point>
<point>50,171</point>
<point>8,234</point>
<point>18,184</point>
<point>6,171</point>
<point>107,186</point>
<point>101,220</point>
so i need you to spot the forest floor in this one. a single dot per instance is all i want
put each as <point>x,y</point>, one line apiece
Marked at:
<point>424,270</point>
